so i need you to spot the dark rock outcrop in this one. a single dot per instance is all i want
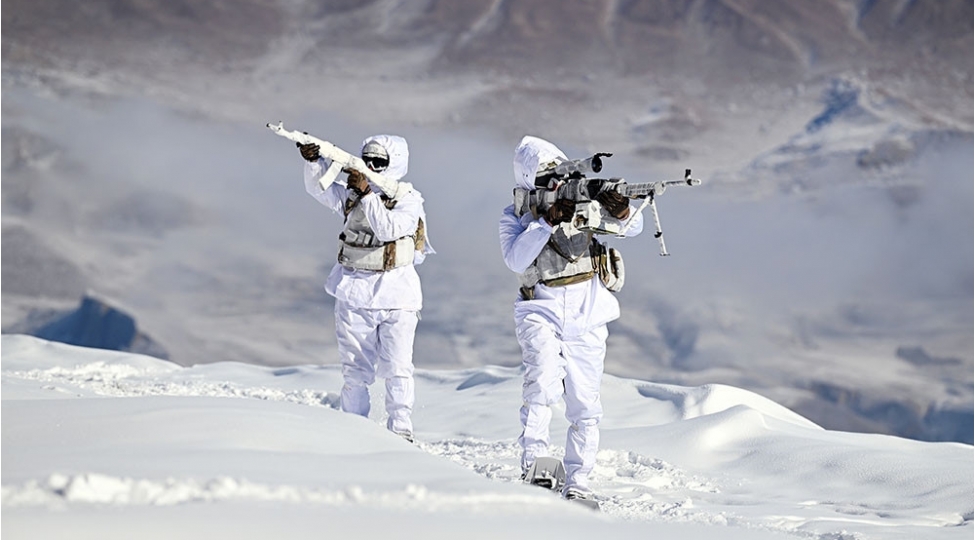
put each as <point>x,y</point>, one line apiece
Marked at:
<point>99,325</point>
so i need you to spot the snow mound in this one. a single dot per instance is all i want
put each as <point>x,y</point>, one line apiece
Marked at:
<point>715,398</point>
<point>181,449</point>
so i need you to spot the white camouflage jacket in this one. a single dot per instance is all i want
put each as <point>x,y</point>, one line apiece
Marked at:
<point>573,309</point>
<point>398,288</point>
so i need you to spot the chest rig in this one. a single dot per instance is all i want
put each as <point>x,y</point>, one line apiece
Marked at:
<point>571,255</point>
<point>567,257</point>
<point>360,249</point>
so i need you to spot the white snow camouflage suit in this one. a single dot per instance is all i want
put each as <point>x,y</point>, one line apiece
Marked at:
<point>376,312</point>
<point>562,332</point>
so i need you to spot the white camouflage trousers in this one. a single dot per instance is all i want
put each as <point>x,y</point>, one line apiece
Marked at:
<point>567,368</point>
<point>377,342</point>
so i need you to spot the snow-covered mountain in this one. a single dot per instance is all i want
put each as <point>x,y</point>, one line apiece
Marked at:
<point>825,263</point>
<point>106,444</point>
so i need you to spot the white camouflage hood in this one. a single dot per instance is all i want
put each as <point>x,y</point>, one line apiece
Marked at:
<point>531,155</point>
<point>398,151</point>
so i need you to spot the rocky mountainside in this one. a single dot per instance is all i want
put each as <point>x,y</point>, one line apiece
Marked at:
<point>726,41</point>
<point>825,261</point>
<point>599,71</point>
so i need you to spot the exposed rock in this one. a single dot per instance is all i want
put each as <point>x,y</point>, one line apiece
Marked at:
<point>893,415</point>
<point>99,325</point>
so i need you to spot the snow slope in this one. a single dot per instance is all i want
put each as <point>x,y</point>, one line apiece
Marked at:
<point>105,444</point>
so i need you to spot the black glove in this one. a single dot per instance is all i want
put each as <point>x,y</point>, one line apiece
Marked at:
<point>560,212</point>
<point>358,182</point>
<point>614,203</point>
<point>308,151</point>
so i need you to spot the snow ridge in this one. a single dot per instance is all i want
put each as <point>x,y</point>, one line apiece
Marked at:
<point>713,459</point>
<point>95,488</point>
<point>632,486</point>
<point>126,381</point>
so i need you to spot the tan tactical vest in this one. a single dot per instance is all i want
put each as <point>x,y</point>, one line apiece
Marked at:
<point>360,249</point>
<point>566,258</point>
<point>570,256</point>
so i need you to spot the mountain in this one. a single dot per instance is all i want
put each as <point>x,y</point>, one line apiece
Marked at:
<point>832,233</point>
<point>585,69</point>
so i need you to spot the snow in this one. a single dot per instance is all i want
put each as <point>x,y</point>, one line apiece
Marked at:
<point>105,444</point>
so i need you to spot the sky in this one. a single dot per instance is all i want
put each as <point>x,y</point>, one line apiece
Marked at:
<point>103,444</point>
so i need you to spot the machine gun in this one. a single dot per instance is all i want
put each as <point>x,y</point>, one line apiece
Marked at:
<point>341,160</point>
<point>566,180</point>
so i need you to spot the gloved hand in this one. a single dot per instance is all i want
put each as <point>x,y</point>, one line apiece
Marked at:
<point>560,212</point>
<point>308,151</point>
<point>614,203</point>
<point>358,182</point>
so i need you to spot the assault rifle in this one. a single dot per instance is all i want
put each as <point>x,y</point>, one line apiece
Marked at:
<point>340,160</point>
<point>566,180</point>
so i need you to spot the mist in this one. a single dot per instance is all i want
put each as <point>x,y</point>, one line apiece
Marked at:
<point>165,195</point>
<point>241,217</point>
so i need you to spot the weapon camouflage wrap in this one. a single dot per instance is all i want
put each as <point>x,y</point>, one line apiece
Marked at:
<point>567,180</point>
